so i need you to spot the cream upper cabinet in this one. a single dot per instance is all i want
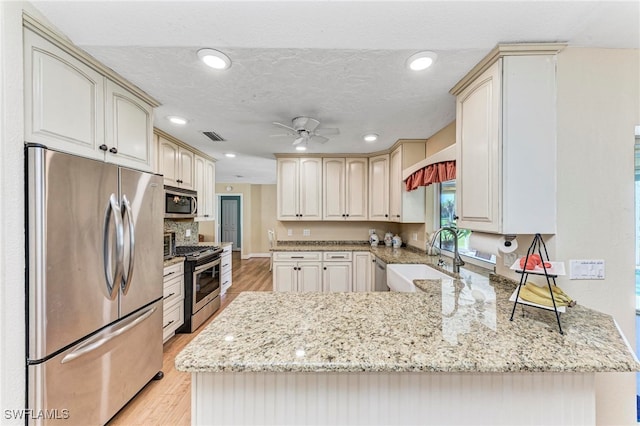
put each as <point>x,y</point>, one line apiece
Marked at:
<point>204,184</point>
<point>379,188</point>
<point>71,106</point>
<point>345,189</point>
<point>129,128</point>
<point>299,193</point>
<point>176,164</point>
<point>406,207</point>
<point>506,145</point>
<point>64,99</point>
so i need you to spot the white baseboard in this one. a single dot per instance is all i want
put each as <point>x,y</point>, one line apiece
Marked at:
<point>251,255</point>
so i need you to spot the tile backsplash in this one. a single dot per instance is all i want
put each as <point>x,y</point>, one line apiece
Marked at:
<point>180,228</point>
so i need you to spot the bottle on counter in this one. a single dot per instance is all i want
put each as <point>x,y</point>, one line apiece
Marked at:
<point>374,240</point>
<point>388,239</point>
<point>397,241</point>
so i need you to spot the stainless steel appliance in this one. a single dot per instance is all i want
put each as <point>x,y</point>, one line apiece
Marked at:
<point>381,276</point>
<point>202,284</point>
<point>180,203</point>
<point>94,286</point>
<point>169,245</point>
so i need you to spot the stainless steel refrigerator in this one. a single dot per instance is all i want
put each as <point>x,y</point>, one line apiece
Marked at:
<point>94,286</point>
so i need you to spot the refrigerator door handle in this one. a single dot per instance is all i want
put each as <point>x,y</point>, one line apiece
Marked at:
<point>96,342</point>
<point>126,278</point>
<point>113,209</point>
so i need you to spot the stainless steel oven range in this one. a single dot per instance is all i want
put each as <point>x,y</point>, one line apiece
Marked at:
<point>202,284</point>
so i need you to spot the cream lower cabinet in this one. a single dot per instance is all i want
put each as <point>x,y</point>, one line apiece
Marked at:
<point>226,266</point>
<point>506,144</point>
<point>297,272</point>
<point>362,271</point>
<point>173,300</point>
<point>337,272</point>
<point>345,188</point>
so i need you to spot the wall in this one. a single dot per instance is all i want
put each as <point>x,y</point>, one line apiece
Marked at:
<point>12,242</point>
<point>259,215</point>
<point>441,139</point>
<point>330,231</point>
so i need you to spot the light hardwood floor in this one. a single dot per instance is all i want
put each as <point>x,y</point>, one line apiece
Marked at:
<point>168,401</point>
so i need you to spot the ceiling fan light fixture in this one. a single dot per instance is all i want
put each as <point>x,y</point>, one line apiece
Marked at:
<point>301,148</point>
<point>214,59</point>
<point>177,120</point>
<point>421,61</point>
<point>370,137</point>
<point>230,155</point>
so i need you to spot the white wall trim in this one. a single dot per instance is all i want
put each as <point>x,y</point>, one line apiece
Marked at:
<point>252,255</point>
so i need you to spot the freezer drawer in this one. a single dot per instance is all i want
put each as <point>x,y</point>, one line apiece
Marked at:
<point>93,380</point>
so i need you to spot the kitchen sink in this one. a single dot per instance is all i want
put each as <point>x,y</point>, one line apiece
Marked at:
<point>400,276</point>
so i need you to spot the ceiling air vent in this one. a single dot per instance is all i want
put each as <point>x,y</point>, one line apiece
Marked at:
<point>213,136</point>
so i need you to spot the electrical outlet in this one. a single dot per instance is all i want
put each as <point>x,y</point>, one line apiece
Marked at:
<point>306,232</point>
<point>187,232</point>
<point>414,237</point>
<point>289,232</point>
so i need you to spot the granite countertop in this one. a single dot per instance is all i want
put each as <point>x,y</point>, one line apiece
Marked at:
<point>173,261</point>
<point>321,246</point>
<point>451,326</point>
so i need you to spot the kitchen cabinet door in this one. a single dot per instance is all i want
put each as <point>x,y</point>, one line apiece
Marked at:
<point>210,190</point>
<point>285,276</point>
<point>356,188</point>
<point>309,277</point>
<point>186,162</point>
<point>168,164</point>
<point>379,188</point>
<point>395,176</point>
<point>501,150</point>
<point>337,277</point>
<point>287,188</point>
<point>199,184</point>
<point>129,128</point>
<point>333,188</point>
<point>64,100</point>
<point>362,271</point>
<point>310,189</point>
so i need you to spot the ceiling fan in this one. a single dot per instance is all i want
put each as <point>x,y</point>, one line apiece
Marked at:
<point>305,129</point>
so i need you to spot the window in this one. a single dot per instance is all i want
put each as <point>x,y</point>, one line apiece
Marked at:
<point>446,212</point>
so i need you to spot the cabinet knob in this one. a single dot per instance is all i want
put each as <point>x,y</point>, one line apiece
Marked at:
<point>179,181</point>
<point>103,147</point>
<point>344,215</point>
<point>386,215</point>
<point>113,150</point>
<point>455,217</point>
<point>347,214</point>
<point>397,215</point>
<point>325,268</point>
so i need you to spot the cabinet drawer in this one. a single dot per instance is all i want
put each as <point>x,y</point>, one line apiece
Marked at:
<point>227,249</point>
<point>225,264</point>
<point>336,256</point>
<point>172,318</point>
<point>297,255</point>
<point>225,280</point>
<point>172,271</point>
<point>173,290</point>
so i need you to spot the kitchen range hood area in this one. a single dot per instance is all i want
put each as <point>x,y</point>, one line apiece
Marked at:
<point>317,277</point>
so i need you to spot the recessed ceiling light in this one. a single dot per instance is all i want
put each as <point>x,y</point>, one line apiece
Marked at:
<point>421,60</point>
<point>301,148</point>
<point>371,137</point>
<point>230,155</point>
<point>214,58</point>
<point>177,120</point>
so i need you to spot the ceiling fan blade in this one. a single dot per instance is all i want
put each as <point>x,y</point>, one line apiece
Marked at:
<point>306,123</point>
<point>288,135</point>
<point>298,141</point>
<point>327,131</point>
<point>275,123</point>
<point>318,139</point>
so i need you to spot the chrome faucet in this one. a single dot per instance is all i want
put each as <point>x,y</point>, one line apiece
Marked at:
<point>457,260</point>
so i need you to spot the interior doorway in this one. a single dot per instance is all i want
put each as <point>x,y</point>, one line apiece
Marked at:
<point>231,220</point>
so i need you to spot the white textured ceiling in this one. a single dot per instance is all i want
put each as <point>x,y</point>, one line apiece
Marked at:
<point>341,62</point>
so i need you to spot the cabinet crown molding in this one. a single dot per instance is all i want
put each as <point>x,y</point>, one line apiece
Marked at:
<point>184,145</point>
<point>67,45</point>
<point>501,50</point>
<point>352,155</point>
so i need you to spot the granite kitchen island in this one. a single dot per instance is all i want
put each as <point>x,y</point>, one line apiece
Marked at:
<point>446,355</point>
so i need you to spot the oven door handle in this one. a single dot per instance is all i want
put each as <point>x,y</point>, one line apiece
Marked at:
<point>207,266</point>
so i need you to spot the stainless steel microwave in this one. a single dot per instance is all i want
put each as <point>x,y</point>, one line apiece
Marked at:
<point>180,203</point>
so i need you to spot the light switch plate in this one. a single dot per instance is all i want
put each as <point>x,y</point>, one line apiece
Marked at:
<point>289,232</point>
<point>187,232</point>
<point>306,232</point>
<point>588,269</point>
<point>415,236</point>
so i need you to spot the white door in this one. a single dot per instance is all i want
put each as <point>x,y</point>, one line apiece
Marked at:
<point>230,220</point>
